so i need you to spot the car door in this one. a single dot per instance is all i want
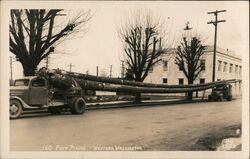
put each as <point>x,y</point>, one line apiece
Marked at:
<point>38,92</point>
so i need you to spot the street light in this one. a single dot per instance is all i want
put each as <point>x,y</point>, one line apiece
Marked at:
<point>187,26</point>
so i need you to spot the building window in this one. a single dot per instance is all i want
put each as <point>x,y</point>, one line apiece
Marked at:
<point>225,67</point>
<point>240,70</point>
<point>219,65</point>
<point>165,80</point>
<point>236,69</point>
<point>231,68</point>
<point>181,81</point>
<point>218,79</point>
<point>203,65</point>
<point>202,80</point>
<point>181,68</point>
<point>165,65</point>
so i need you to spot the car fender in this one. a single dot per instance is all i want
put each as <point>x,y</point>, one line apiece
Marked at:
<point>24,105</point>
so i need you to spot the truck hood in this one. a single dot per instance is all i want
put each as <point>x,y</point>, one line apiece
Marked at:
<point>17,90</point>
<point>13,88</point>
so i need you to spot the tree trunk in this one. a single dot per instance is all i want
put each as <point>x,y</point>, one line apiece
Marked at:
<point>29,70</point>
<point>137,98</point>
<point>190,96</point>
<point>190,93</point>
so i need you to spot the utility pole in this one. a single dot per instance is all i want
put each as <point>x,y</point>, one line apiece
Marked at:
<point>110,71</point>
<point>47,62</point>
<point>215,23</point>
<point>70,66</point>
<point>87,72</point>
<point>97,71</point>
<point>123,70</point>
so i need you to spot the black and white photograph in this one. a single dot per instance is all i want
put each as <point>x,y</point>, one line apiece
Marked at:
<point>124,79</point>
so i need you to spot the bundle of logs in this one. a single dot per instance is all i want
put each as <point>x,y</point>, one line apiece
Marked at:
<point>63,80</point>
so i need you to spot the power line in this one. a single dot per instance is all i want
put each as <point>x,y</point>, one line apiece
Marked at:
<point>215,23</point>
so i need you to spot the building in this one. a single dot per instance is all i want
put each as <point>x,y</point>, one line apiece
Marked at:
<point>228,66</point>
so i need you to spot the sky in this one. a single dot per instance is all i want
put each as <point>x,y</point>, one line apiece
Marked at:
<point>100,45</point>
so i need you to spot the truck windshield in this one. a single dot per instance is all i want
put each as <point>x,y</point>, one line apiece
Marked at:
<point>22,82</point>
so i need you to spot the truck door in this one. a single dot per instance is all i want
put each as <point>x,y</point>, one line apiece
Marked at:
<point>38,92</point>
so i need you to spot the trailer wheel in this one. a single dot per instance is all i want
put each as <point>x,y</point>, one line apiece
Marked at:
<point>55,110</point>
<point>16,109</point>
<point>77,106</point>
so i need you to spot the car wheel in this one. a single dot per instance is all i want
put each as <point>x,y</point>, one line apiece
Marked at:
<point>77,106</point>
<point>15,109</point>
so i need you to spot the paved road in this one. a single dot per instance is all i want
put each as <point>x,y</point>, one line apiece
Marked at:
<point>171,127</point>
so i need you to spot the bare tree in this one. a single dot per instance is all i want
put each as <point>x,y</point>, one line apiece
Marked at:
<point>33,34</point>
<point>188,59</point>
<point>142,39</point>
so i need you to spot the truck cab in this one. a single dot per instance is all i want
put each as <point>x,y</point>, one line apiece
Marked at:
<point>31,90</point>
<point>221,93</point>
<point>34,92</point>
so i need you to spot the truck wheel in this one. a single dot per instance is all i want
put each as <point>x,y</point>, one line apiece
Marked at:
<point>15,109</point>
<point>221,98</point>
<point>229,98</point>
<point>209,98</point>
<point>55,110</point>
<point>77,106</point>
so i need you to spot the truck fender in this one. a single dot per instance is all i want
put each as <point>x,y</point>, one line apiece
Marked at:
<point>24,105</point>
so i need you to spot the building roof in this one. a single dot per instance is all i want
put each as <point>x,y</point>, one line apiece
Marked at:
<point>226,52</point>
<point>210,48</point>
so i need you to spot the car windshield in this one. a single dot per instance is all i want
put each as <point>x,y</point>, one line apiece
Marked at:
<point>22,82</point>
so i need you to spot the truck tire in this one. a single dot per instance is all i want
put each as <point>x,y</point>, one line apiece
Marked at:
<point>229,98</point>
<point>220,98</point>
<point>16,109</point>
<point>55,110</point>
<point>77,105</point>
<point>209,98</point>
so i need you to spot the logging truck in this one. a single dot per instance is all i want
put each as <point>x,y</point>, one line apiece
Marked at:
<point>30,93</point>
<point>57,90</point>
<point>221,93</point>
